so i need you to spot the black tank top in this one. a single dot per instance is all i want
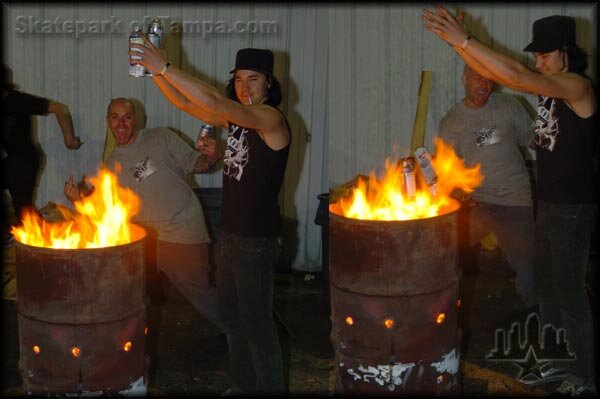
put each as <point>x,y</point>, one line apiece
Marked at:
<point>252,177</point>
<point>565,149</point>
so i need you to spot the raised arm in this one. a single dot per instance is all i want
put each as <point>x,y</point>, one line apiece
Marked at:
<point>63,117</point>
<point>208,100</point>
<point>184,104</point>
<point>500,67</point>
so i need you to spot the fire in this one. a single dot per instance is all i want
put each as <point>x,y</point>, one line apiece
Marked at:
<point>374,199</point>
<point>102,219</point>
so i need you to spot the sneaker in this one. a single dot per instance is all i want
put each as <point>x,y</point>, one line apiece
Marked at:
<point>231,392</point>
<point>567,388</point>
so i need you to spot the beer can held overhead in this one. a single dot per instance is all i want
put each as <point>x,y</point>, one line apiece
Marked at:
<point>136,70</point>
<point>155,35</point>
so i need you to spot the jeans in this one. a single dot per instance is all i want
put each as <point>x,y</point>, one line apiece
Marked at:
<point>563,238</point>
<point>514,228</point>
<point>187,268</point>
<point>245,284</point>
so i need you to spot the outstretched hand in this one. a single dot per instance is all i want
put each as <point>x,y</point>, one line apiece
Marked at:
<point>71,190</point>
<point>151,57</point>
<point>444,25</point>
<point>209,147</point>
<point>73,143</point>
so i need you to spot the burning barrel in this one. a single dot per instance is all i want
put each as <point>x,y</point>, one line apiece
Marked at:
<point>394,292</point>
<point>82,319</point>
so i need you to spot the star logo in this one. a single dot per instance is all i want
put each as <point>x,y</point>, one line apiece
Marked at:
<point>536,355</point>
<point>530,367</point>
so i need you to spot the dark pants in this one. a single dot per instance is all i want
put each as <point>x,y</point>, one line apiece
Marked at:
<point>563,237</point>
<point>514,228</point>
<point>21,173</point>
<point>187,268</point>
<point>245,284</point>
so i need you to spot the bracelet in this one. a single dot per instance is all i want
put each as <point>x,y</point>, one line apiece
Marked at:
<point>464,45</point>
<point>164,69</point>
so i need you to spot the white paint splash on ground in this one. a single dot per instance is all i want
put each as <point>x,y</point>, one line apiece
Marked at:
<point>448,364</point>
<point>138,388</point>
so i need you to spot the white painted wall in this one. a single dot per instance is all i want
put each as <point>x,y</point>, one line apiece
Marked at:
<point>86,70</point>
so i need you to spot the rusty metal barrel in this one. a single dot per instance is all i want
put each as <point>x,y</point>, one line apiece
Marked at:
<point>82,319</point>
<point>394,299</point>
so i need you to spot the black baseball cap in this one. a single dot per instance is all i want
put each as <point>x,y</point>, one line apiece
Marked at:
<point>552,33</point>
<point>254,59</point>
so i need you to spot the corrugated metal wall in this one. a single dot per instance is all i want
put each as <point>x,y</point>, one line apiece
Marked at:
<point>350,76</point>
<point>84,71</point>
<point>376,57</point>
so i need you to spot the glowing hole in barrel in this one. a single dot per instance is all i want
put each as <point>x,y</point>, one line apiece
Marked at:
<point>75,351</point>
<point>127,346</point>
<point>440,318</point>
<point>388,323</point>
<point>146,331</point>
<point>440,379</point>
<point>458,303</point>
<point>349,320</point>
<point>36,349</point>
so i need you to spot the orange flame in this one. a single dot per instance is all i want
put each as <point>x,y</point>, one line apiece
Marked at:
<point>375,199</point>
<point>102,219</point>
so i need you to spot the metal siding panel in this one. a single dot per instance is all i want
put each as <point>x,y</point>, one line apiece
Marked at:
<point>370,89</point>
<point>341,89</point>
<point>93,92</point>
<point>60,84</point>
<point>404,55</point>
<point>319,144</point>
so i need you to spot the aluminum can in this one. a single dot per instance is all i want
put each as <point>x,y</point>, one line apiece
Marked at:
<point>205,131</point>
<point>156,27</point>
<point>155,35</point>
<point>424,161</point>
<point>408,177</point>
<point>136,70</point>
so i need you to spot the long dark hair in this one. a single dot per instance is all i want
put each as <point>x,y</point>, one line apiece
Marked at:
<point>274,96</point>
<point>577,57</point>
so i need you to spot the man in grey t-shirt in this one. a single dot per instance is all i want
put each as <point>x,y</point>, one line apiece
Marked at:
<point>490,129</point>
<point>153,163</point>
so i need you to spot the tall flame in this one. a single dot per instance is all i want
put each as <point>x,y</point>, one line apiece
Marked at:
<point>102,219</point>
<point>374,199</point>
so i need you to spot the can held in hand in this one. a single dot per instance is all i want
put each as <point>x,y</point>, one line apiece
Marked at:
<point>424,161</point>
<point>155,35</point>
<point>205,131</point>
<point>136,70</point>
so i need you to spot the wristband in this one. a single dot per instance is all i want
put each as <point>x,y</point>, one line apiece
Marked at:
<point>164,69</point>
<point>464,45</point>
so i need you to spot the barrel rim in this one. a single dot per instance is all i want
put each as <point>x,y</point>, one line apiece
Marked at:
<point>138,232</point>
<point>454,208</point>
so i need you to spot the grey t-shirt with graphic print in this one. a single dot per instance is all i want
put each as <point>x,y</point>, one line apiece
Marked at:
<point>491,136</point>
<point>154,166</point>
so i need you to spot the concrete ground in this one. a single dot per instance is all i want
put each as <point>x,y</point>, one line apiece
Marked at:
<point>189,355</point>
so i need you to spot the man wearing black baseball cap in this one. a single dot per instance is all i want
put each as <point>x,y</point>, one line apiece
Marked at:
<point>254,163</point>
<point>566,138</point>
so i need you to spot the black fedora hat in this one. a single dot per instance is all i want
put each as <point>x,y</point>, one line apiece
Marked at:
<point>552,33</point>
<point>254,59</point>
